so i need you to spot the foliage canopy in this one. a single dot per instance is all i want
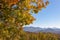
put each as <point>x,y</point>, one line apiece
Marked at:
<point>16,13</point>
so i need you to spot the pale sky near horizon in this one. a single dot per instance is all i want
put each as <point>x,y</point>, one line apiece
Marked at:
<point>48,17</point>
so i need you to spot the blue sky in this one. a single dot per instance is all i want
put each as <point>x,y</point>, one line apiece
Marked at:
<point>49,17</point>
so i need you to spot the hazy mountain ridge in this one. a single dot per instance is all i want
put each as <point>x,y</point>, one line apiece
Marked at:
<point>37,29</point>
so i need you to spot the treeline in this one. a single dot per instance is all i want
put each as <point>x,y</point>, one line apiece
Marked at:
<point>31,36</point>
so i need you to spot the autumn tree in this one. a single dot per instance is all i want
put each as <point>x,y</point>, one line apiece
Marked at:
<point>16,13</point>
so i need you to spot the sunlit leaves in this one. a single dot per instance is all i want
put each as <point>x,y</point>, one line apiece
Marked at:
<point>16,13</point>
<point>10,2</point>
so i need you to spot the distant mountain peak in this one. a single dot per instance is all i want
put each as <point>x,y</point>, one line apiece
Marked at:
<point>38,29</point>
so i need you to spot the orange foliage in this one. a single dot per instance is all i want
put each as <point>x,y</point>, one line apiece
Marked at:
<point>11,2</point>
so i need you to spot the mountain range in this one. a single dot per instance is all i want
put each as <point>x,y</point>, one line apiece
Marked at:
<point>38,29</point>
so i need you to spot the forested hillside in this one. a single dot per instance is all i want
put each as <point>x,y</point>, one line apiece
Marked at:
<point>31,36</point>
